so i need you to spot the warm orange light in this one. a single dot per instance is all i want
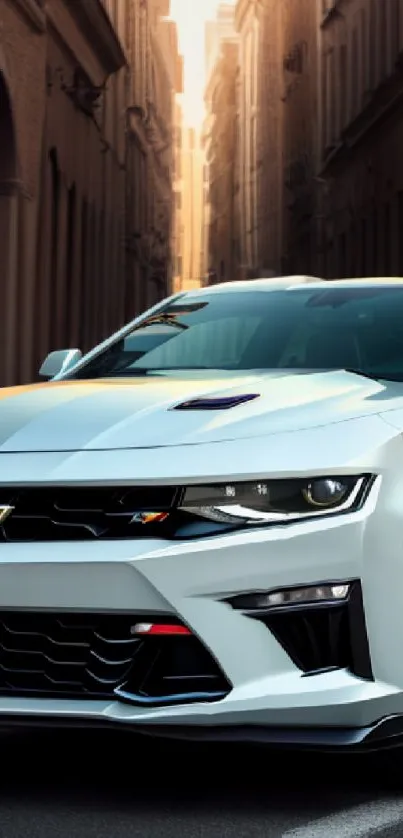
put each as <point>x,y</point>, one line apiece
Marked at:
<point>191,16</point>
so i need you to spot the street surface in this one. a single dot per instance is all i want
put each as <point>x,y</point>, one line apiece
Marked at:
<point>97,786</point>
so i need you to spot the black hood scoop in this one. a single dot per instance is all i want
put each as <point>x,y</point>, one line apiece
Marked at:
<point>220,403</point>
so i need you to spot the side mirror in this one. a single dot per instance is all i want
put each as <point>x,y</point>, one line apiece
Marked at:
<point>59,361</point>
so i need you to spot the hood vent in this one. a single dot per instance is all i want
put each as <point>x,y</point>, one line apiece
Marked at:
<point>223,403</point>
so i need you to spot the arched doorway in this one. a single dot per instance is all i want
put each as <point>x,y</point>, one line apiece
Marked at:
<point>8,235</point>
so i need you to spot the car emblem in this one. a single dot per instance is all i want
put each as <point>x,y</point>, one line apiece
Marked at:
<point>148,517</point>
<point>5,511</point>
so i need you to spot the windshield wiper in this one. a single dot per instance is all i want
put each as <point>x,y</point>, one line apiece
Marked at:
<point>162,319</point>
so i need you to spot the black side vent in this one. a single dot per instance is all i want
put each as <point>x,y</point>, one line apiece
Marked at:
<point>318,636</point>
<point>224,403</point>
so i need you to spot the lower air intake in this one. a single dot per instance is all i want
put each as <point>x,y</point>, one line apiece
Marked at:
<point>319,636</point>
<point>98,656</point>
<point>172,670</point>
<point>315,638</point>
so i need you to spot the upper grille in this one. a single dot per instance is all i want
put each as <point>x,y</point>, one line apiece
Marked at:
<point>77,513</point>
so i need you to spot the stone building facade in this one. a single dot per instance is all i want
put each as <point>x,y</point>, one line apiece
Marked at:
<point>220,143</point>
<point>270,139</point>
<point>166,84</point>
<point>259,127</point>
<point>80,220</point>
<point>205,141</point>
<point>191,208</point>
<point>247,24</point>
<point>178,225</point>
<point>219,32</point>
<point>320,110</point>
<point>62,182</point>
<point>361,168</point>
<point>22,112</point>
<point>300,105</point>
<point>155,80</point>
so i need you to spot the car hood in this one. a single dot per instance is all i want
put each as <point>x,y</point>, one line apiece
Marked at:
<point>140,412</point>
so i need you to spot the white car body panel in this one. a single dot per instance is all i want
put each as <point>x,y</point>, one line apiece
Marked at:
<point>140,413</point>
<point>124,432</point>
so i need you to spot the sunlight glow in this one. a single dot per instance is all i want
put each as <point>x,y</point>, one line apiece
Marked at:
<point>191,16</point>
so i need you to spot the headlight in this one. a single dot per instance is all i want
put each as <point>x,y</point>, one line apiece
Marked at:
<point>274,500</point>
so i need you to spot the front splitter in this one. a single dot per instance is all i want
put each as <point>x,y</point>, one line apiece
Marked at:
<point>385,734</point>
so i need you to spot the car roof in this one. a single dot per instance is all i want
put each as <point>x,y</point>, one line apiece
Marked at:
<point>290,283</point>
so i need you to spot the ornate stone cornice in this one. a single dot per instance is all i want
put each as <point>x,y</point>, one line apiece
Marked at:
<point>88,33</point>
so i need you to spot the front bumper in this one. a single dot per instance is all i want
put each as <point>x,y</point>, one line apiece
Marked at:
<point>385,734</point>
<point>268,697</point>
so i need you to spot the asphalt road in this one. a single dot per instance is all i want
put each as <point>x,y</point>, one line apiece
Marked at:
<point>97,786</point>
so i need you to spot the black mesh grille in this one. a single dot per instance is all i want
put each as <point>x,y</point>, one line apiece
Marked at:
<point>77,514</point>
<point>71,655</point>
<point>64,653</point>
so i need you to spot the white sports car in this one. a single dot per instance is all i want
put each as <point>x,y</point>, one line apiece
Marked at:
<point>201,521</point>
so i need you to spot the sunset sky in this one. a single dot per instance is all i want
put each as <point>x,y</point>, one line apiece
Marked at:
<point>191,16</point>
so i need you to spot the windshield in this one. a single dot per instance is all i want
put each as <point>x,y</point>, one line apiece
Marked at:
<point>360,329</point>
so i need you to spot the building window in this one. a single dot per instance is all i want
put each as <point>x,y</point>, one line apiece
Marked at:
<point>83,272</point>
<point>104,314</point>
<point>70,258</point>
<point>343,59</point>
<point>384,40</point>
<point>364,81</point>
<point>329,100</point>
<point>394,25</point>
<point>375,251</point>
<point>342,256</point>
<point>355,75</point>
<point>323,137</point>
<point>373,44</point>
<point>386,241</point>
<point>354,254</point>
<point>54,246</point>
<point>364,246</point>
<point>400,231</point>
<point>92,277</point>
